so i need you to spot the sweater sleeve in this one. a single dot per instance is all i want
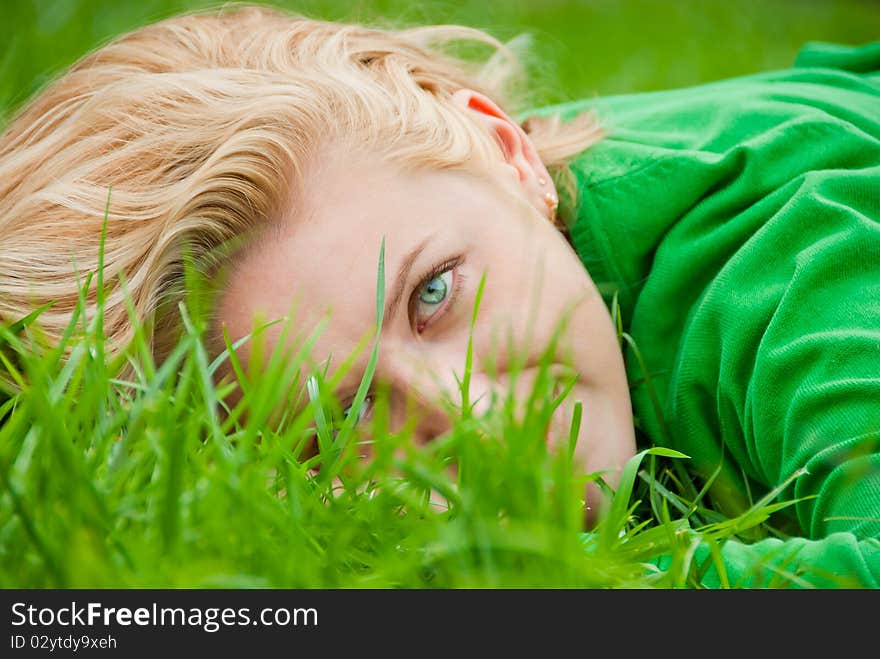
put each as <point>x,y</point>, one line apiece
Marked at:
<point>839,560</point>
<point>811,398</point>
<point>793,324</point>
<point>740,224</point>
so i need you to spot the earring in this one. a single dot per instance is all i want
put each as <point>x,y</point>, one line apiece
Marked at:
<point>550,199</point>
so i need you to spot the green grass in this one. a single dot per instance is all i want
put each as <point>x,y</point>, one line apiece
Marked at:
<point>580,47</point>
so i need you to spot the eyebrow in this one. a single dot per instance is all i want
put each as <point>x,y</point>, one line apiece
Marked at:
<point>400,281</point>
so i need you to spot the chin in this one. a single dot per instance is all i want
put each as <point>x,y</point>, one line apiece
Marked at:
<point>606,440</point>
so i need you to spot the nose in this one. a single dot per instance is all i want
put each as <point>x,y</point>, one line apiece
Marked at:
<point>425,395</point>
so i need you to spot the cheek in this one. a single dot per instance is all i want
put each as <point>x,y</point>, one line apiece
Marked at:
<point>534,282</point>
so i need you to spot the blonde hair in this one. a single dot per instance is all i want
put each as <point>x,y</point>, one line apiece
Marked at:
<point>196,130</point>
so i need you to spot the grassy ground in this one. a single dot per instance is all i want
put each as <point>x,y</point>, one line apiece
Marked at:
<point>143,482</point>
<point>584,47</point>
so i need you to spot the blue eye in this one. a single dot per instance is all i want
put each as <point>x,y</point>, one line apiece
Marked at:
<point>435,291</point>
<point>432,294</point>
<point>365,407</point>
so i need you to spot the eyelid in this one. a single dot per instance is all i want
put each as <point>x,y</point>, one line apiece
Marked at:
<point>436,271</point>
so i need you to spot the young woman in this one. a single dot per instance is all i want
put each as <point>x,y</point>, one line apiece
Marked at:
<point>737,222</point>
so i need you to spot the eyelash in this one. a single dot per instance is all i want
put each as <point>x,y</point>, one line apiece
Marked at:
<point>436,271</point>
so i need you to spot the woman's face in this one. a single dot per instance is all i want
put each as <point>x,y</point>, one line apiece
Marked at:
<point>443,231</point>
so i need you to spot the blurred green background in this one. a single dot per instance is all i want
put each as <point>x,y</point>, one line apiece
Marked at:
<point>587,47</point>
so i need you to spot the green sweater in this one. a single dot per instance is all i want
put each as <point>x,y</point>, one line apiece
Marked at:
<point>739,223</point>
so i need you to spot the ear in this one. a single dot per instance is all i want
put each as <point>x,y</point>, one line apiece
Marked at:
<point>517,148</point>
